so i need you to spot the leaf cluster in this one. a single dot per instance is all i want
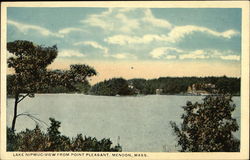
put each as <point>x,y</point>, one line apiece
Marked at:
<point>29,62</point>
<point>208,126</point>
<point>53,140</point>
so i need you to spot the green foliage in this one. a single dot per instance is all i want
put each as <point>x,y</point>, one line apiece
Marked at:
<point>79,72</point>
<point>138,83</point>
<point>55,137</point>
<point>29,140</point>
<point>83,87</point>
<point>177,85</point>
<point>71,80</point>
<point>169,85</point>
<point>30,62</point>
<point>227,85</point>
<point>208,126</point>
<point>92,144</point>
<point>111,87</point>
<point>11,140</point>
<point>36,140</point>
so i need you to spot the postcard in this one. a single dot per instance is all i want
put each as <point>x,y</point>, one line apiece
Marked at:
<point>125,80</point>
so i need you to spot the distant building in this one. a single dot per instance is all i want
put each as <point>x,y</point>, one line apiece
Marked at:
<point>202,92</point>
<point>192,90</point>
<point>209,85</point>
<point>189,90</point>
<point>158,91</point>
<point>130,85</point>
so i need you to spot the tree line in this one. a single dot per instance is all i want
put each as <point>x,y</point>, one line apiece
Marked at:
<point>121,86</point>
<point>169,85</point>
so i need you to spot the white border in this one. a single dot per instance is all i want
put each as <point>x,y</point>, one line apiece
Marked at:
<point>244,5</point>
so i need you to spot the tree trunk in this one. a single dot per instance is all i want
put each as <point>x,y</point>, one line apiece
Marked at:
<point>15,112</point>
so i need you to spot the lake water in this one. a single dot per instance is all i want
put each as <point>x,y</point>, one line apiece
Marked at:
<point>142,122</point>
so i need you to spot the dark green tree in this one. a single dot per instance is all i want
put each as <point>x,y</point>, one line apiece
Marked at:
<point>138,83</point>
<point>208,126</point>
<point>30,62</point>
<point>112,87</point>
<point>68,79</point>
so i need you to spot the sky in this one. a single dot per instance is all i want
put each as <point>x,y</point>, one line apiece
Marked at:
<point>135,42</point>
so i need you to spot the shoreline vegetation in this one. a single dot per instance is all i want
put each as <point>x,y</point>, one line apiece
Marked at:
<point>180,86</point>
<point>139,95</point>
<point>53,140</point>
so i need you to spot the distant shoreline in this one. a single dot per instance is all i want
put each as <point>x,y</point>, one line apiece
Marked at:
<point>141,95</point>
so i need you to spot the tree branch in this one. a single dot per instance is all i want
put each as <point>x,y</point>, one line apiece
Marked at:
<point>36,120</point>
<point>22,98</point>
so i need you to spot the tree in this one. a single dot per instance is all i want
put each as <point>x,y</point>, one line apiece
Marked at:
<point>112,87</point>
<point>30,62</point>
<point>70,79</point>
<point>138,83</point>
<point>208,126</point>
<point>227,85</point>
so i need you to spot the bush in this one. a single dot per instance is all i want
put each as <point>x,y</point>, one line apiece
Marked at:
<point>208,126</point>
<point>112,87</point>
<point>36,140</point>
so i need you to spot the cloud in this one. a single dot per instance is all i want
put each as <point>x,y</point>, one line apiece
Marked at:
<point>123,56</point>
<point>70,53</point>
<point>94,45</point>
<point>175,35</point>
<point>211,54</point>
<point>164,51</point>
<point>170,57</point>
<point>230,57</point>
<point>106,50</point>
<point>122,39</point>
<point>43,31</point>
<point>179,32</point>
<point>125,20</point>
<point>27,27</point>
<point>129,24</point>
<point>174,53</point>
<point>98,20</point>
<point>149,18</point>
<point>70,29</point>
<point>197,54</point>
<point>125,39</point>
<point>223,54</point>
<point>124,10</point>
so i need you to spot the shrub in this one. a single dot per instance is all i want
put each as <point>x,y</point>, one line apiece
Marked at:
<point>208,126</point>
<point>36,140</point>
